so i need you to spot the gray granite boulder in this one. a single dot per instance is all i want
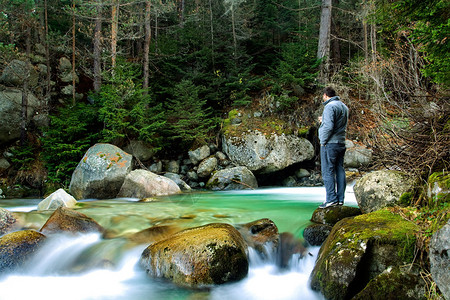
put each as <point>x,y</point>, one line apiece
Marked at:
<point>144,184</point>
<point>237,178</point>
<point>100,173</point>
<point>59,198</point>
<point>439,259</point>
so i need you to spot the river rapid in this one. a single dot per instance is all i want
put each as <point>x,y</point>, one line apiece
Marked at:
<point>64,267</point>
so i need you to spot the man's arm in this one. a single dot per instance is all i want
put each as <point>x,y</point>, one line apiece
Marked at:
<point>327,126</point>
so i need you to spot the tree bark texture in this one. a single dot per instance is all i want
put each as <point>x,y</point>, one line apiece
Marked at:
<point>147,39</point>
<point>323,50</point>
<point>97,50</point>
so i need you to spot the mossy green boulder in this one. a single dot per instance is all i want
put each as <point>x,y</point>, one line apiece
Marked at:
<point>198,257</point>
<point>17,247</point>
<point>359,249</point>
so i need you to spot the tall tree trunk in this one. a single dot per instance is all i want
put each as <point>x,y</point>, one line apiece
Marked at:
<point>233,24</point>
<point>114,32</point>
<point>73,53</point>
<point>47,53</point>
<point>211,20</point>
<point>97,50</point>
<point>147,39</point>
<point>323,49</point>
<point>24,111</point>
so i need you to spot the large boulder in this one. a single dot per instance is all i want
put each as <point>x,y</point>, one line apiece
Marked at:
<point>7,221</point>
<point>356,156</point>
<point>68,220</point>
<point>16,248</point>
<point>100,173</point>
<point>237,178</point>
<point>265,154</point>
<point>144,184</point>
<point>332,215</point>
<point>380,189</point>
<point>198,257</point>
<point>15,73</point>
<point>177,179</point>
<point>60,198</point>
<point>359,249</point>
<point>10,112</point>
<point>439,259</point>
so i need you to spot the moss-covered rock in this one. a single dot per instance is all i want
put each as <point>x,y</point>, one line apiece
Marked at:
<point>198,257</point>
<point>17,247</point>
<point>394,283</point>
<point>68,220</point>
<point>332,215</point>
<point>439,187</point>
<point>359,249</point>
<point>237,178</point>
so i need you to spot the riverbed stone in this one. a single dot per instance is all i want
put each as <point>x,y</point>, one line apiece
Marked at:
<point>237,178</point>
<point>261,235</point>
<point>177,179</point>
<point>262,153</point>
<point>143,184</point>
<point>68,220</point>
<point>7,221</point>
<point>332,215</point>
<point>100,173</point>
<point>17,247</point>
<point>206,167</point>
<point>440,260</point>
<point>199,154</point>
<point>59,198</point>
<point>359,249</point>
<point>198,257</point>
<point>380,189</point>
<point>316,234</point>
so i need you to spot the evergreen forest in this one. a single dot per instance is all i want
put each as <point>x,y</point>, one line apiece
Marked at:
<point>168,73</point>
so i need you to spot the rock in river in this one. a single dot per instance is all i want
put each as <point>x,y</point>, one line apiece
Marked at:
<point>198,257</point>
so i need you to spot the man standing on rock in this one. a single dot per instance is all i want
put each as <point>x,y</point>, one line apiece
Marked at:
<point>332,132</point>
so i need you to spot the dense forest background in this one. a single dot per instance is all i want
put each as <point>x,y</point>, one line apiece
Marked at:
<point>169,72</point>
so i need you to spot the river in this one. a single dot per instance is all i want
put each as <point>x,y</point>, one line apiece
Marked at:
<point>63,268</point>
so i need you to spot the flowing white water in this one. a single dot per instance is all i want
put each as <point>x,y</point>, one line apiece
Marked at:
<point>85,267</point>
<point>45,278</point>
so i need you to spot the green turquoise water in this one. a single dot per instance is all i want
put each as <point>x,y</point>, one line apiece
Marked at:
<point>52,269</point>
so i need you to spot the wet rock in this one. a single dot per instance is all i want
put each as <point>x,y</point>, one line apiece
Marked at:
<point>198,257</point>
<point>359,249</point>
<point>68,220</point>
<point>332,215</point>
<point>156,167</point>
<point>17,247</point>
<point>206,167</point>
<point>266,154</point>
<point>4,164</point>
<point>440,260</point>
<point>60,198</point>
<point>143,184</point>
<point>316,234</point>
<point>199,154</point>
<point>262,235</point>
<point>7,221</point>
<point>173,166</point>
<point>302,173</point>
<point>237,178</point>
<point>100,173</point>
<point>380,189</point>
<point>288,247</point>
<point>153,234</point>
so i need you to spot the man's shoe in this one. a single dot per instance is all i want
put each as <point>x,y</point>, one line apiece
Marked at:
<point>341,203</point>
<point>328,204</point>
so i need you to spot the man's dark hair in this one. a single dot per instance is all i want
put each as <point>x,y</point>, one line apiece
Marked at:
<point>329,91</point>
